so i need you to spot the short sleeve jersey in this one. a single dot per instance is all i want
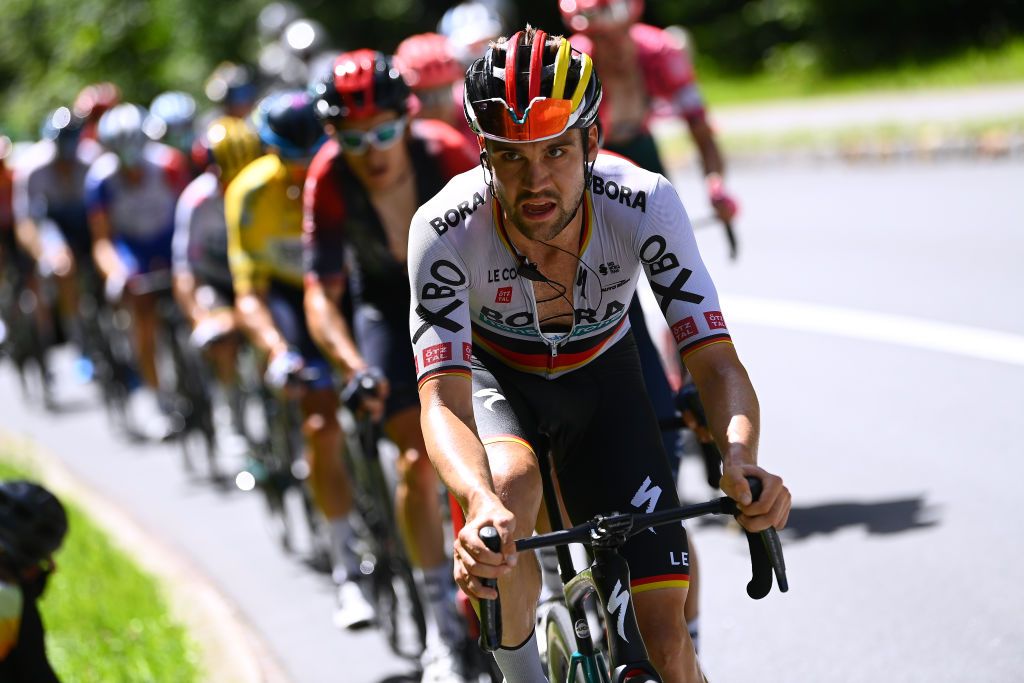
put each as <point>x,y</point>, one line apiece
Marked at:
<point>201,233</point>
<point>669,77</point>
<point>263,210</point>
<point>466,292</point>
<point>143,209</point>
<point>342,229</point>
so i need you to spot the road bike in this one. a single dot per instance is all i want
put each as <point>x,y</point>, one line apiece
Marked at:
<point>384,563</point>
<point>572,653</point>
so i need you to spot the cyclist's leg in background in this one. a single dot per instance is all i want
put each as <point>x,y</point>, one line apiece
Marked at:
<point>383,338</point>
<point>143,257</point>
<point>329,482</point>
<point>608,456</point>
<point>504,424</point>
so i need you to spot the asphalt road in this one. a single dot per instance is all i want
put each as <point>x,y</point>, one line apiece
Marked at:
<point>904,461</point>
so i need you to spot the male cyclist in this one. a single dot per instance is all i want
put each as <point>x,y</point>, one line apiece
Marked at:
<point>429,67</point>
<point>523,343</point>
<point>171,120</point>
<point>49,209</point>
<point>131,192</point>
<point>202,277</point>
<point>363,188</point>
<point>263,208</point>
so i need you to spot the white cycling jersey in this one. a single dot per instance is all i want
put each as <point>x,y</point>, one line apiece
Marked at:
<point>466,291</point>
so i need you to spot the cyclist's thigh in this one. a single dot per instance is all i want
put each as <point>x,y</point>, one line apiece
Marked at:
<point>383,339</point>
<point>506,426</point>
<point>614,461</point>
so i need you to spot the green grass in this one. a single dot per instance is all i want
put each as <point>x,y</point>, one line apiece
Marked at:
<point>106,619</point>
<point>796,77</point>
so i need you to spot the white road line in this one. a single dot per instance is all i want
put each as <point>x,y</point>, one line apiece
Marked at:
<point>1002,347</point>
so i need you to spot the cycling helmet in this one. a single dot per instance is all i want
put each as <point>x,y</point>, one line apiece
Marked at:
<point>97,99</point>
<point>286,120</point>
<point>531,87</point>
<point>469,27</point>
<point>32,523</point>
<point>583,15</point>
<point>426,61</point>
<point>362,84</point>
<point>231,84</point>
<point>121,131</point>
<point>170,120</point>
<point>64,129</point>
<point>232,144</point>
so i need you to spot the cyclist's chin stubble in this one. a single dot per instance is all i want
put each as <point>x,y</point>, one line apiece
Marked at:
<point>542,232</point>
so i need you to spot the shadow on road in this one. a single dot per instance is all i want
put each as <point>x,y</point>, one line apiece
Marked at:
<point>885,517</point>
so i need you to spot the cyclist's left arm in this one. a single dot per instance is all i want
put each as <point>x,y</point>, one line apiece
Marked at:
<point>689,301</point>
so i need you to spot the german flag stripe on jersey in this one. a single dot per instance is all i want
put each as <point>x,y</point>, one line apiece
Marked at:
<point>706,341</point>
<point>540,361</point>
<point>437,372</point>
<point>661,581</point>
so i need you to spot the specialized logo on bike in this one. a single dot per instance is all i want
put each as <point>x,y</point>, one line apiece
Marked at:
<point>491,395</point>
<point>617,604</point>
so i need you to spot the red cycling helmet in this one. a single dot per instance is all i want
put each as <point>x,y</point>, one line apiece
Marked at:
<point>426,61</point>
<point>360,85</point>
<point>586,15</point>
<point>97,99</point>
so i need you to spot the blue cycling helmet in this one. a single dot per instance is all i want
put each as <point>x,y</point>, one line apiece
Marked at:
<point>286,120</point>
<point>171,118</point>
<point>121,131</point>
<point>32,524</point>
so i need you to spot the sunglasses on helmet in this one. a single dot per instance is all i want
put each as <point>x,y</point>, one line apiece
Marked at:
<point>544,118</point>
<point>382,136</point>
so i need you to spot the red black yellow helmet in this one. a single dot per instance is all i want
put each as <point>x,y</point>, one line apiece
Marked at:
<point>531,87</point>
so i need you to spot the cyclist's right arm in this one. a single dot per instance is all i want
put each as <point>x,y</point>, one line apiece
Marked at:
<point>248,275</point>
<point>442,343</point>
<point>25,205</point>
<point>97,198</point>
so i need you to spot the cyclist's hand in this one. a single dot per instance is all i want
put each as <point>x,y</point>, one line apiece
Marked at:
<point>372,388</point>
<point>283,365</point>
<point>771,510</point>
<point>210,328</point>
<point>725,205</point>
<point>473,561</point>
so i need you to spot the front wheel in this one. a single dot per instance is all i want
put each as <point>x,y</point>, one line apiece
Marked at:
<point>560,644</point>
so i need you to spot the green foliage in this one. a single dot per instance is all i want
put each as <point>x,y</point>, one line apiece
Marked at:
<point>50,49</point>
<point>105,619</point>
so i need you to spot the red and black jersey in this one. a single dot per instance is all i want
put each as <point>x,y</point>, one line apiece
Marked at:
<point>342,231</point>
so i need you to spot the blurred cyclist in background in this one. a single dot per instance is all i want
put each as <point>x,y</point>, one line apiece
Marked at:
<point>131,192</point>
<point>171,120</point>
<point>202,277</point>
<point>471,26</point>
<point>232,88</point>
<point>362,190</point>
<point>49,207</point>
<point>263,208</point>
<point>90,105</point>
<point>33,524</point>
<point>431,71</point>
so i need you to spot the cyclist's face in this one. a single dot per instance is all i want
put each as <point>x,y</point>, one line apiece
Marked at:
<point>378,164</point>
<point>539,184</point>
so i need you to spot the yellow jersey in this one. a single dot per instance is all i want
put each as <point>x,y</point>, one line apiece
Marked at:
<point>263,210</point>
